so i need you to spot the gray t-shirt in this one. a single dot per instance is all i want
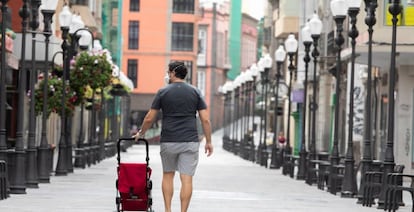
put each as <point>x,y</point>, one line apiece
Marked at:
<point>179,103</point>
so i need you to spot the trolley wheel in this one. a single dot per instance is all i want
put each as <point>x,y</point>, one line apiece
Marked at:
<point>150,201</point>
<point>118,202</point>
<point>116,184</point>
<point>149,185</point>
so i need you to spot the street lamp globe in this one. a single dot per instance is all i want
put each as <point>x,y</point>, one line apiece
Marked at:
<point>315,25</point>
<point>291,44</point>
<point>65,17</point>
<point>254,69</point>
<point>85,39</point>
<point>76,24</point>
<point>267,61</point>
<point>280,54</point>
<point>249,75</point>
<point>260,65</point>
<point>354,3</point>
<point>306,33</point>
<point>339,7</point>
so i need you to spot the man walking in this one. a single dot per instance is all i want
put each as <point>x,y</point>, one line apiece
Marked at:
<point>179,102</point>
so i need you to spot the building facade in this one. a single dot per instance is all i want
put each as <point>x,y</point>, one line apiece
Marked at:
<point>213,58</point>
<point>154,33</point>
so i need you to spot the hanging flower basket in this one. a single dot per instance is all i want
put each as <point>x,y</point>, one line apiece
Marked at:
<point>118,90</point>
<point>54,96</point>
<point>90,71</point>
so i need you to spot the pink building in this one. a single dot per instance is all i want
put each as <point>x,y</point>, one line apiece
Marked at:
<point>212,60</point>
<point>249,41</point>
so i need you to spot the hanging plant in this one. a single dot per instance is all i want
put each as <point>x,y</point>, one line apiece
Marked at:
<point>117,88</point>
<point>54,95</point>
<point>90,68</point>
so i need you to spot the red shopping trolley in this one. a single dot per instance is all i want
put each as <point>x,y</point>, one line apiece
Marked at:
<point>133,183</point>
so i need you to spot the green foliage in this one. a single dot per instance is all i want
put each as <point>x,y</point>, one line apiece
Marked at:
<point>54,95</point>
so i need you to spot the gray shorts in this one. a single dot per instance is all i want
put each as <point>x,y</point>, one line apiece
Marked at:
<point>181,157</point>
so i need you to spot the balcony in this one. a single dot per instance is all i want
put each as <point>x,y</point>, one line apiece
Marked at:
<point>286,18</point>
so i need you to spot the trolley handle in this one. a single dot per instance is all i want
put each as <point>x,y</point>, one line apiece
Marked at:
<point>132,139</point>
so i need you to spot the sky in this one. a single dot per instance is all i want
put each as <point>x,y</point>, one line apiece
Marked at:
<point>255,8</point>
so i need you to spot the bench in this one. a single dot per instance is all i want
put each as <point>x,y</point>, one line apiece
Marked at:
<point>375,183</point>
<point>393,192</point>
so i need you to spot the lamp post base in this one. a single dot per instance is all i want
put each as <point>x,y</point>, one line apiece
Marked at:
<point>80,158</point>
<point>69,155</point>
<point>43,164</point>
<point>365,166</point>
<point>18,176</point>
<point>274,162</point>
<point>31,168</point>
<point>349,187</point>
<point>302,166</point>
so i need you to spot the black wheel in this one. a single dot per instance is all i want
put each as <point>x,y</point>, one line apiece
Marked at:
<point>116,184</point>
<point>118,202</point>
<point>149,185</point>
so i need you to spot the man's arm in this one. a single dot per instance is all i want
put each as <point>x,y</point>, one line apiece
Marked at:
<point>146,124</point>
<point>205,123</point>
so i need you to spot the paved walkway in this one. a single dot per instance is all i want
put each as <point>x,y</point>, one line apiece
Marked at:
<point>223,183</point>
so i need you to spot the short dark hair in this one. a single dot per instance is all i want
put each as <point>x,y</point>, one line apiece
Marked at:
<point>179,68</point>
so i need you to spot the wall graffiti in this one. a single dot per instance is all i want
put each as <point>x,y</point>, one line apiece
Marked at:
<point>358,111</point>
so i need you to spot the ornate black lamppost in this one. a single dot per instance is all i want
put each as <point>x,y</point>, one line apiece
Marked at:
<point>370,21</point>
<point>265,65</point>
<point>291,45</point>
<point>64,19</point>
<point>18,179</point>
<point>349,186</point>
<point>280,56</point>
<point>44,149</point>
<point>395,9</point>
<point>226,94</point>
<point>3,136</point>
<point>225,137</point>
<point>315,25</point>
<point>237,112</point>
<point>248,136</point>
<point>339,10</point>
<point>255,72</point>
<point>236,126</point>
<point>31,151</point>
<point>307,42</point>
<point>80,38</point>
<point>83,153</point>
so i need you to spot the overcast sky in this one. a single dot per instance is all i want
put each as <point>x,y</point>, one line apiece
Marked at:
<point>254,8</point>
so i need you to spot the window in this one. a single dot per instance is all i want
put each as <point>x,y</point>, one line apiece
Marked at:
<point>202,44</point>
<point>81,2</point>
<point>133,34</point>
<point>182,37</point>
<point>183,6</point>
<point>133,70</point>
<point>134,5</point>
<point>201,81</point>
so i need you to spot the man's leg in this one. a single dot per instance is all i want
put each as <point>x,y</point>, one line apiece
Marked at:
<point>168,189</point>
<point>186,191</point>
